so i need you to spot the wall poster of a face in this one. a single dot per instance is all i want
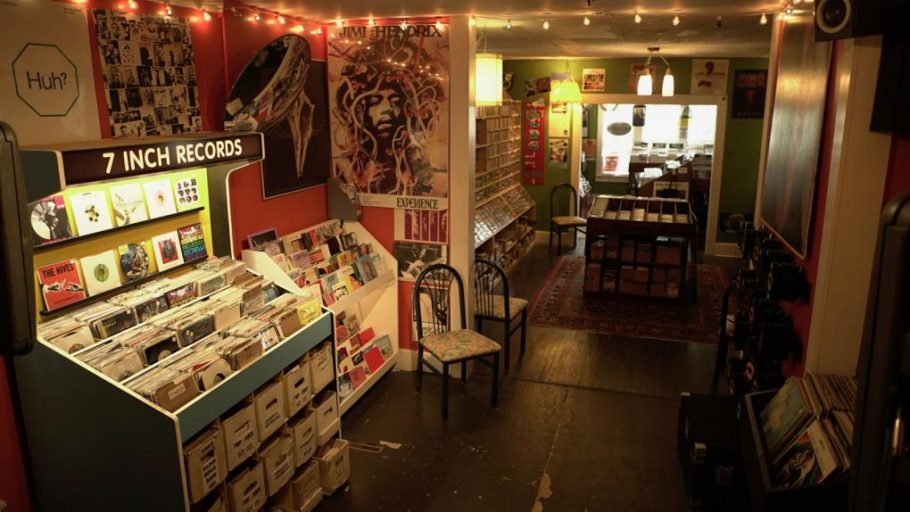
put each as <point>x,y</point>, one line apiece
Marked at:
<point>281,93</point>
<point>389,110</point>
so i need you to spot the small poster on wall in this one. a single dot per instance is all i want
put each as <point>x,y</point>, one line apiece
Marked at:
<point>560,120</point>
<point>749,87</point>
<point>709,76</point>
<point>422,225</point>
<point>534,127</point>
<point>593,80</point>
<point>413,257</point>
<point>559,152</point>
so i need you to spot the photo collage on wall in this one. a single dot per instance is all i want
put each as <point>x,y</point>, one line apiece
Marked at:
<point>389,111</point>
<point>149,76</point>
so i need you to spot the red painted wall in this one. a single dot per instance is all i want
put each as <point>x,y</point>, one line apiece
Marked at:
<point>13,483</point>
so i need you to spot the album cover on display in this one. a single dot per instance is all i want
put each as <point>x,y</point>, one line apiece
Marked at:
<point>160,198</point>
<point>100,272</point>
<point>135,261</point>
<point>128,203</point>
<point>187,192</point>
<point>167,250</point>
<point>49,220</point>
<point>60,284</point>
<point>91,212</point>
<point>192,242</point>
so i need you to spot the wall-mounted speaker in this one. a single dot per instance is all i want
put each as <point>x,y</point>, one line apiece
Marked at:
<point>841,19</point>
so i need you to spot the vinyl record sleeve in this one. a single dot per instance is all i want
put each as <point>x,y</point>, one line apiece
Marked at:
<point>167,250</point>
<point>91,212</point>
<point>101,272</point>
<point>159,198</point>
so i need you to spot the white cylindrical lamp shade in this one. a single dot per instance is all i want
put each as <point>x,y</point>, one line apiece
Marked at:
<point>645,84</point>
<point>669,85</point>
<point>488,79</point>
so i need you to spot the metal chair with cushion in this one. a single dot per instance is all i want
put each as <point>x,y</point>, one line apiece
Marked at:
<point>570,221</point>
<point>433,314</point>
<point>499,307</point>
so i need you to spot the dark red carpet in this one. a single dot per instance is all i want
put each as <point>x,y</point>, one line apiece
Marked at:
<point>560,303</point>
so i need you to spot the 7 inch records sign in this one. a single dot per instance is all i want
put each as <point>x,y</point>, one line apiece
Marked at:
<point>94,164</point>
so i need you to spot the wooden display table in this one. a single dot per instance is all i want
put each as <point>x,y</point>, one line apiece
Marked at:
<point>639,246</point>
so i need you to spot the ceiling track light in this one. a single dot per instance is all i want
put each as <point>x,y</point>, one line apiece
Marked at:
<point>281,19</point>
<point>586,21</point>
<point>509,25</point>
<point>133,5</point>
<point>404,24</point>
<point>764,19</point>
<point>257,17</point>
<point>438,24</point>
<point>206,16</point>
<point>637,18</point>
<point>168,10</point>
<point>546,25</point>
<point>675,21</point>
<point>371,22</point>
<point>339,23</point>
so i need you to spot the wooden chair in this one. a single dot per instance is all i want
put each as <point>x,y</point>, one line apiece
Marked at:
<point>493,306</point>
<point>571,220</point>
<point>432,312</point>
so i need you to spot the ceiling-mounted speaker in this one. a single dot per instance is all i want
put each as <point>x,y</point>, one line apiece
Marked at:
<point>842,19</point>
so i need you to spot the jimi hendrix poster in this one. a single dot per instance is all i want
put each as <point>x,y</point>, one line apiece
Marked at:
<point>389,113</point>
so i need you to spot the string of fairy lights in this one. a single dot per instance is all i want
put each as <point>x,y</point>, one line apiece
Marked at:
<point>259,15</point>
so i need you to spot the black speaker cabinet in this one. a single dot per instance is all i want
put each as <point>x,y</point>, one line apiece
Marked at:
<point>841,19</point>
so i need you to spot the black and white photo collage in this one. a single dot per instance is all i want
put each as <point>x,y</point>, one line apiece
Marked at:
<point>147,62</point>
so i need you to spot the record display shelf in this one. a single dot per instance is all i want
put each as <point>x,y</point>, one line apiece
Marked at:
<point>375,303</point>
<point>504,213</point>
<point>764,495</point>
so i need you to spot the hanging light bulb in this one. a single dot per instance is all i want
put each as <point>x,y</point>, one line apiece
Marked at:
<point>637,18</point>
<point>764,19</point>
<point>297,28</point>
<point>168,10</point>
<point>206,15</point>
<point>668,88</point>
<point>281,19</point>
<point>133,5</point>
<point>371,22</point>
<point>509,25</point>
<point>438,24</point>
<point>587,21</point>
<point>404,24</point>
<point>257,17</point>
<point>645,84</point>
<point>675,20</point>
<point>339,23</point>
<point>789,11</point>
<point>546,25</point>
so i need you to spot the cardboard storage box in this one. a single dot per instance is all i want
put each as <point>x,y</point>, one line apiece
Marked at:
<point>641,274</point>
<point>305,484</point>
<point>289,323</point>
<point>297,389</point>
<point>206,467</point>
<point>269,402</point>
<point>246,492</point>
<point>325,407</point>
<point>278,463</point>
<point>322,367</point>
<point>668,254</point>
<point>241,436</point>
<point>303,432</point>
<point>178,393</point>
<point>334,465</point>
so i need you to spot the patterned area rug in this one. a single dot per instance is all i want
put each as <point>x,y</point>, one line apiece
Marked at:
<point>560,303</point>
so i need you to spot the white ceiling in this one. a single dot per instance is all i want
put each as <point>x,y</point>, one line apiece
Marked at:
<point>612,32</point>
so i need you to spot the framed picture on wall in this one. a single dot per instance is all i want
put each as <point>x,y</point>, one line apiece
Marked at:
<point>749,87</point>
<point>593,80</point>
<point>709,76</point>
